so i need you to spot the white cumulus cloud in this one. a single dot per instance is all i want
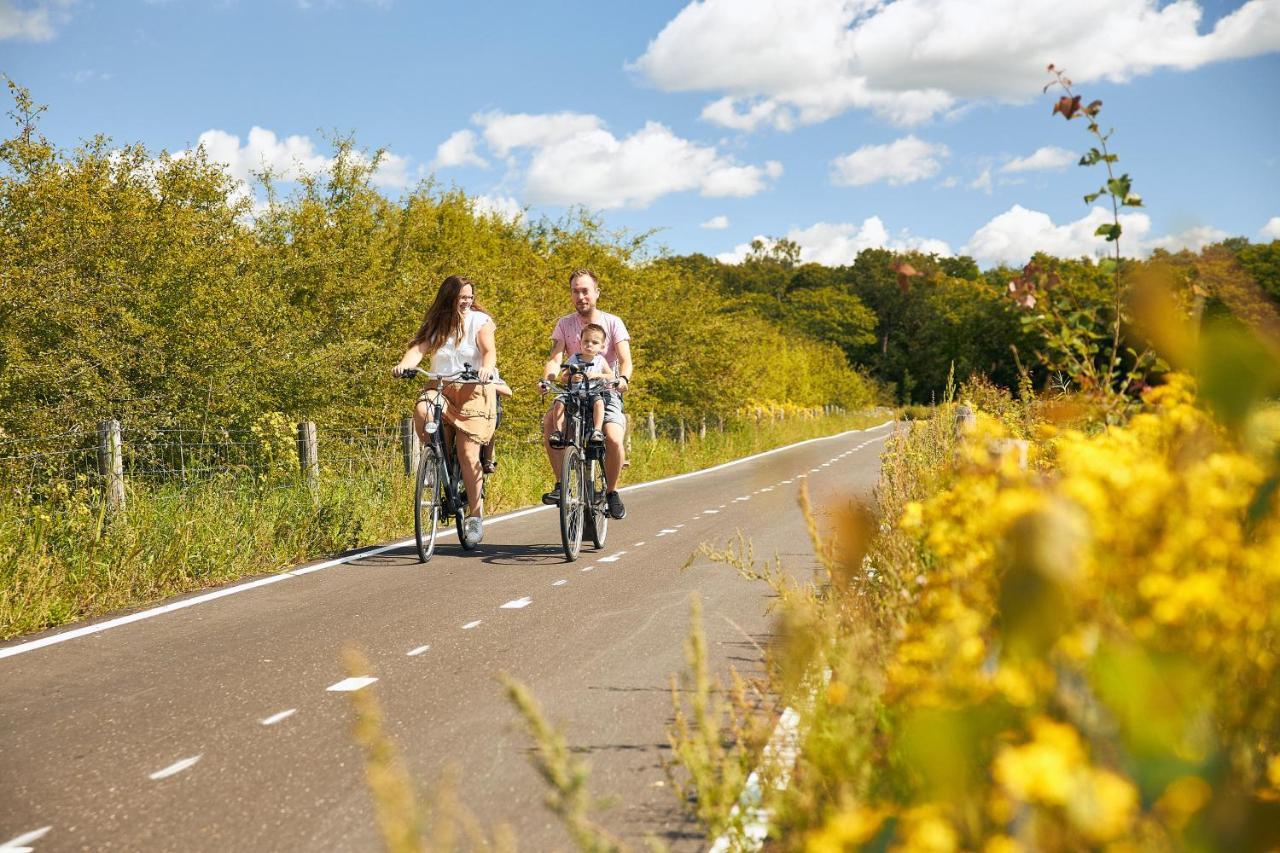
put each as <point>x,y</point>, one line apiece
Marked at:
<point>458,150</point>
<point>33,21</point>
<point>1048,157</point>
<point>716,223</point>
<point>903,161</point>
<point>1015,235</point>
<point>1193,239</point>
<point>287,159</point>
<point>1271,230</point>
<point>502,207</point>
<point>571,158</point>
<point>790,62</point>
<point>838,243</point>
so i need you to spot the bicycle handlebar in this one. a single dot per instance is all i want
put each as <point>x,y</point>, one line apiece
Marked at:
<point>466,376</point>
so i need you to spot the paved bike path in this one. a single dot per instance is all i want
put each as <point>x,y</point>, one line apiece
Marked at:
<point>86,724</point>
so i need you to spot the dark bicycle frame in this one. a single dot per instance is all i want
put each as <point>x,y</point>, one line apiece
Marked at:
<point>582,463</point>
<point>450,496</point>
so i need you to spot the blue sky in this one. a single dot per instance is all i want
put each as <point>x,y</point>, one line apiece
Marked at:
<point>839,123</point>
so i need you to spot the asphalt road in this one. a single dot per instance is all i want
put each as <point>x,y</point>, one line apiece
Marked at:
<point>216,726</point>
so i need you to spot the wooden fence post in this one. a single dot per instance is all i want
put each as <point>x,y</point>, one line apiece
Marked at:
<point>111,464</point>
<point>653,429</point>
<point>410,446</point>
<point>308,453</point>
<point>681,431</point>
<point>702,428</point>
<point>720,423</point>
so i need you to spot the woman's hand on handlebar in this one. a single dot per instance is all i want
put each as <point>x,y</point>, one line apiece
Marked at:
<point>404,372</point>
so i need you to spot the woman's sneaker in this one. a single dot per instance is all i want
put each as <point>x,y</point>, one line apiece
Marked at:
<point>473,529</point>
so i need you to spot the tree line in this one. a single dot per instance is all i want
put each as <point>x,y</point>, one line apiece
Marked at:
<point>152,288</point>
<point>911,321</point>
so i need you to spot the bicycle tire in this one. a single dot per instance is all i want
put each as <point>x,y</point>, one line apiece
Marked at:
<point>426,504</point>
<point>598,514</point>
<point>572,509</point>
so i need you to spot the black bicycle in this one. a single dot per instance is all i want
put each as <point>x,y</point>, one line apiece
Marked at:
<point>583,507</point>
<point>439,491</point>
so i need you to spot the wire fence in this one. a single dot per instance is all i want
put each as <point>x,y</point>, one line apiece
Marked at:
<point>274,453</point>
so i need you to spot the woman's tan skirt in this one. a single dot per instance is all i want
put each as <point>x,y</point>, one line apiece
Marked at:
<point>471,409</point>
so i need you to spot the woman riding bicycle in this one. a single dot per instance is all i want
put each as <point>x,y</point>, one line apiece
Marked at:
<point>456,332</point>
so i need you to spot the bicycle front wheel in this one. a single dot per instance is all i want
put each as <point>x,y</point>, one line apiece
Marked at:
<point>426,503</point>
<point>572,504</point>
<point>597,510</point>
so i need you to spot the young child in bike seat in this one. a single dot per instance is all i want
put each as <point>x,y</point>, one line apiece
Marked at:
<point>590,354</point>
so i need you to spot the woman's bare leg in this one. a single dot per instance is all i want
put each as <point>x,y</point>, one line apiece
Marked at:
<point>469,462</point>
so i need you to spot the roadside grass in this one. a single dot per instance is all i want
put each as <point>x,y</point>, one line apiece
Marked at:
<point>62,559</point>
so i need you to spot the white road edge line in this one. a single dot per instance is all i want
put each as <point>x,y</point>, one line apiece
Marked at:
<point>19,844</point>
<point>780,756</point>
<point>275,718</point>
<point>175,767</point>
<point>32,645</point>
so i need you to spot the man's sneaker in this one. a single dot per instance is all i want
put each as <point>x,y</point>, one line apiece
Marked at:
<point>473,529</point>
<point>552,498</point>
<point>616,509</point>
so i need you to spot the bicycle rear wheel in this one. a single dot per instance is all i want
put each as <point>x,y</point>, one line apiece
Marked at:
<point>426,503</point>
<point>597,510</point>
<point>572,506</point>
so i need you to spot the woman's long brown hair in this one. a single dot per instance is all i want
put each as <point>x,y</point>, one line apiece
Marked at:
<point>442,322</point>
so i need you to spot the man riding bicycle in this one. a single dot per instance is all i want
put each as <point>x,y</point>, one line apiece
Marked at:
<point>584,288</point>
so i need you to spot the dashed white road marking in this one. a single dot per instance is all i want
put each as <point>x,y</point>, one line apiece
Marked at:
<point>587,569</point>
<point>19,844</point>
<point>175,767</point>
<point>722,506</point>
<point>813,470</point>
<point>637,545</point>
<point>560,582</point>
<point>826,464</point>
<point>678,526</point>
<point>785,483</point>
<point>743,498</point>
<point>710,511</point>
<point>275,718</point>
<point>470,625</point>
<point>517,603</point>
<point>667,531</point>
<point>767,489</point>
<point>612,558</point>
<point>349,685</point>
<point>413,653</point>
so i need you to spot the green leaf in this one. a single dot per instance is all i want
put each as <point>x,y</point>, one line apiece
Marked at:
<point>1111,231</point>
<point>1119,187</point>
<point>1094,156</point>
<point>1132,200</point>
<point>1092,197</point>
